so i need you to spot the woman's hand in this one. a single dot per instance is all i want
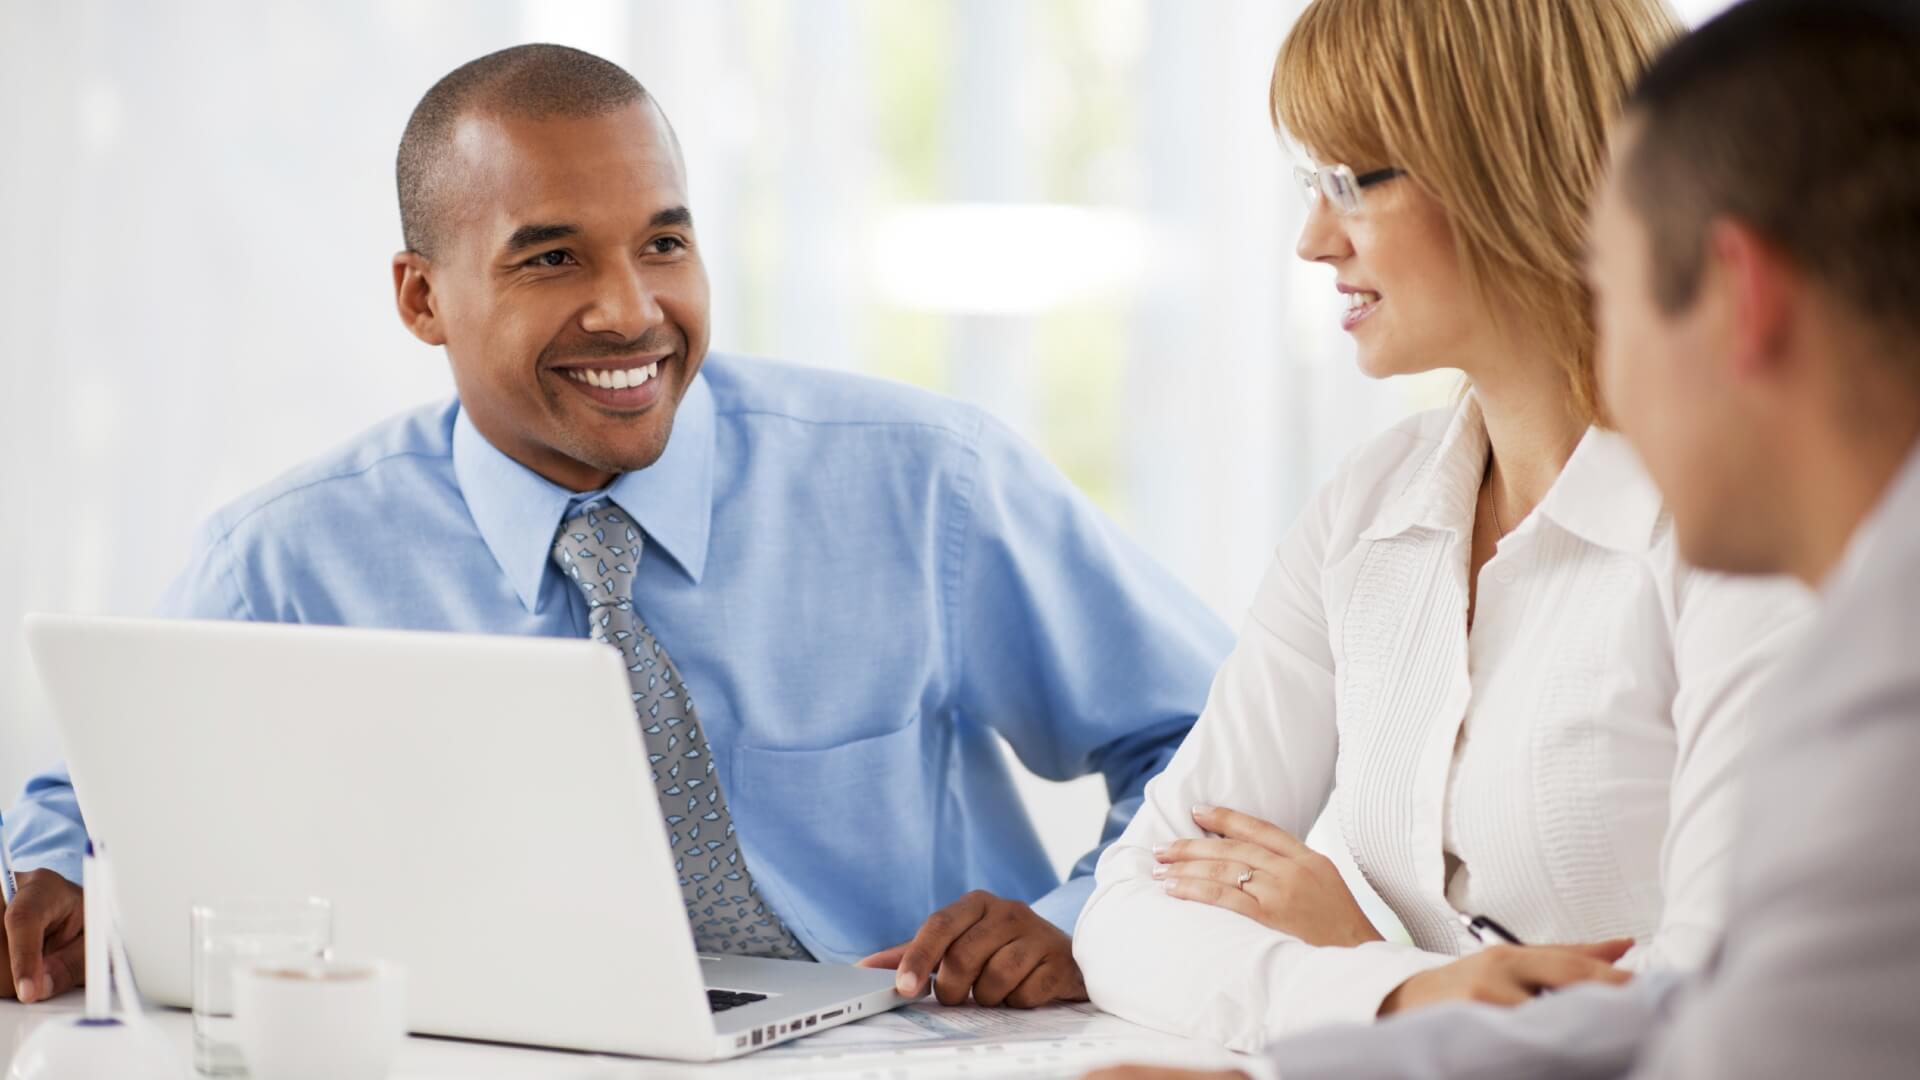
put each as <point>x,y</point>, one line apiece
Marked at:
<point>1510,974</point>
<point>1292,888</point>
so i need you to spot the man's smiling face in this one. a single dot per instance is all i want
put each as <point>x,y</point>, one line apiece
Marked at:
<point>568,288</point>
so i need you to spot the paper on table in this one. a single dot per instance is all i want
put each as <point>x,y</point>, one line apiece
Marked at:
<point>1000,1061</point>
<point>933,1024</point>
<point>936,1042</point>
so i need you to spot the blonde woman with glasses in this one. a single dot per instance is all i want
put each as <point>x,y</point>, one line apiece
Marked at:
<point>1478,646</point>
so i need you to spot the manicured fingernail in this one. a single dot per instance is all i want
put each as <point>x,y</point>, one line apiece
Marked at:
<point>1160,850</point>
<point>23,991</point>
<point>906,984</point>
<point>46,986</point>
<point>1201,808</point>
<point>1159,871</point>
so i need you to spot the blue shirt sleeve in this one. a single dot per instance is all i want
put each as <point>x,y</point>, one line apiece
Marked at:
<point>45,830</point>
<point>1075,645</point>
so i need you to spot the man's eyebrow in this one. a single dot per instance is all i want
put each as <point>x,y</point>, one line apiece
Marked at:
<point>527,236</point>
<point>678,215</point>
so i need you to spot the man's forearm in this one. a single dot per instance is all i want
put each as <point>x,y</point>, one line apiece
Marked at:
<point>1587,1033</point>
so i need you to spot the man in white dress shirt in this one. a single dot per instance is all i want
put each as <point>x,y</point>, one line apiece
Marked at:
<point>1756,254</point>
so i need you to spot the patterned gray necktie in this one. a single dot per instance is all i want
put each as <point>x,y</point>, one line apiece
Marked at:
<point>599,548</point>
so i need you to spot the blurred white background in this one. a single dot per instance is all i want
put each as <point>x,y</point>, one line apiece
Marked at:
<point>1069,211</point>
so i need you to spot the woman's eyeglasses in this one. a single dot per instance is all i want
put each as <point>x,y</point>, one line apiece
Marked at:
<point>1338,185</point>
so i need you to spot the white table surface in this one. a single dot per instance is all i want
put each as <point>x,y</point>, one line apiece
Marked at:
<point>888,1055</point>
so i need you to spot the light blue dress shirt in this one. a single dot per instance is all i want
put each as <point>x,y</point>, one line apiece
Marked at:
<point>862,584</point>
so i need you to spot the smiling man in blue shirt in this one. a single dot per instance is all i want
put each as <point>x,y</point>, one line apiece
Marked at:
<point>863,586</point>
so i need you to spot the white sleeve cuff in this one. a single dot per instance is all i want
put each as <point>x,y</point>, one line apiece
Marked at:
<point>1259,1068</point>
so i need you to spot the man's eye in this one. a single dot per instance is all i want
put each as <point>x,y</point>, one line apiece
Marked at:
<point>550,259</point>
<point>667,245</point>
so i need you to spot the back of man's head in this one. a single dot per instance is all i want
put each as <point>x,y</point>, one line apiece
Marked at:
<point>1801,119</point>
<point>525,80</point>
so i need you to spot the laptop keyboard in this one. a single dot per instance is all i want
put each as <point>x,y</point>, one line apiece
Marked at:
<point>722,1000</point>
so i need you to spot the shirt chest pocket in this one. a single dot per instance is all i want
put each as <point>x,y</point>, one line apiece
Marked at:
<point>842,836</point>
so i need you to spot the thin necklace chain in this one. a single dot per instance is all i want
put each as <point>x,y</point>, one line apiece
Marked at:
<point>1493,504</point>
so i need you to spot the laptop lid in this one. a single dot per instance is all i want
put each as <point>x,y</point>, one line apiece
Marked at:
<point>477,808</point>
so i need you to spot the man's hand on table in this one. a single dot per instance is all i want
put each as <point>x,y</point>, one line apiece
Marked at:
<point>45,933</point>
<point>999,951</point>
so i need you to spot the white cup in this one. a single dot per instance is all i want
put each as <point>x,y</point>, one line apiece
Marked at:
<point>320,1019</point>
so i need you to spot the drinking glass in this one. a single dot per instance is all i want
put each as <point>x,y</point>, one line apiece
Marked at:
<point>231,934</point>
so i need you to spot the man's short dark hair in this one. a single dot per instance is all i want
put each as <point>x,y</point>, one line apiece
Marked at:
<point>1801,119</point>
<point>525,80</point>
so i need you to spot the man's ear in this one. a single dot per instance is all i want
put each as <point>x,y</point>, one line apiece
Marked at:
<point>1756,287</point>
<point>414,298</point>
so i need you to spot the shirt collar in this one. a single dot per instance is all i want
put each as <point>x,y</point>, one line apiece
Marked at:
<point>1602,495</point>
<point>518,511</point>
<point>1445,489</point>
<point>1898,506</point>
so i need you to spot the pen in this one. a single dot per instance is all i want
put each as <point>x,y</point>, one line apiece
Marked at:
<point>6,865</point>
<point>100,941</point>
<point>1482,927</point>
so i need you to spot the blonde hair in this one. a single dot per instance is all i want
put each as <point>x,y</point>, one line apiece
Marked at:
<point>1500,110</point>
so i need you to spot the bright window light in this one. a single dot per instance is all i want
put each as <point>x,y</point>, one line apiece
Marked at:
<point>1002,258</point>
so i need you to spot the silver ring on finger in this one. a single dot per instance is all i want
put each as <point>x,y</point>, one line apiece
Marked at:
<point>1241,881</point>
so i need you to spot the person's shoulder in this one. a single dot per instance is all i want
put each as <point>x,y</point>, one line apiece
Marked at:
<point>1380,470</point>
<point>1400,450</point>
<point>358,478</point>
<point>1849,691</point>
<point>755,389</point>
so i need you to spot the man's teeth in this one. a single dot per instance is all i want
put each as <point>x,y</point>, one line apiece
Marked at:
<point>614,380</point>
<point>1361,299</point>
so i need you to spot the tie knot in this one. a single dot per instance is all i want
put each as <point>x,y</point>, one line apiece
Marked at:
<point>599,550</point>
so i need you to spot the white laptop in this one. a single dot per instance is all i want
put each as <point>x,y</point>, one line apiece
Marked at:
<point>478,809</point>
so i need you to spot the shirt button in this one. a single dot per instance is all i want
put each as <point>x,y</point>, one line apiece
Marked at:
<point>1503,574</point>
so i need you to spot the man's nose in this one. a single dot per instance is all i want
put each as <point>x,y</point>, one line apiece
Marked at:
<point>624,304</point>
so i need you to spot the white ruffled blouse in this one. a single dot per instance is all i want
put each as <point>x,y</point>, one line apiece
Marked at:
<point>1571,761</point>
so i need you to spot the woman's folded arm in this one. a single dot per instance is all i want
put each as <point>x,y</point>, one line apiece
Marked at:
<point>1264,745</point>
